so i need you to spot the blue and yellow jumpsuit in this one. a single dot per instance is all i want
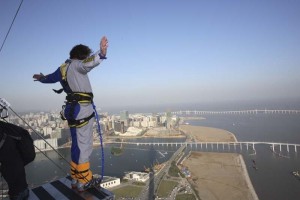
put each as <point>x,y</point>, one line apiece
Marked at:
<point>79,110</point>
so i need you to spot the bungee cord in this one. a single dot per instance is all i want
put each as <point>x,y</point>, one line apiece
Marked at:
<point>101,142</point>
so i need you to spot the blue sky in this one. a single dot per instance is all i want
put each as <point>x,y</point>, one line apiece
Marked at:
<point>160,52</point>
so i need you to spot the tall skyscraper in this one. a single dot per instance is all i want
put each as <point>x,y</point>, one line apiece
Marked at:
<point>169,120</point>
<point>124,117</point>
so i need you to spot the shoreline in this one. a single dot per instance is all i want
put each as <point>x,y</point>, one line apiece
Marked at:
<point>213,163</point>
<point>144,136</point>
<point>249,183</point>
<point>207,134</point>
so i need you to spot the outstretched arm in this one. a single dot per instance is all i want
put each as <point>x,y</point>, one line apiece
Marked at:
<point>38,77</point>
<point>50,78</point>
<point>97,58</point>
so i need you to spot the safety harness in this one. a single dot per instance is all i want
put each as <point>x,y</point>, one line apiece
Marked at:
<point>73,98</point>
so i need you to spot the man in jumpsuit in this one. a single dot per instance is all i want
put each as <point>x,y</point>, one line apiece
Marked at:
<point>79,110</point>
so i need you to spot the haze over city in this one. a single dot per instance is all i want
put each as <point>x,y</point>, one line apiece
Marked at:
<point>160,52</point>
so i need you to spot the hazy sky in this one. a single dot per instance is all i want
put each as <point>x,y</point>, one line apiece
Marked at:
<point>160,52</point>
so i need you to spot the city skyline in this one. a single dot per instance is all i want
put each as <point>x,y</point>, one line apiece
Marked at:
<point>160,53</point>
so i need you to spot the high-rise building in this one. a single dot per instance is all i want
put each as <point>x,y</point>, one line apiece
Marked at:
<point>169,120</point>
<point>124,117</point>
<point>119,126</point>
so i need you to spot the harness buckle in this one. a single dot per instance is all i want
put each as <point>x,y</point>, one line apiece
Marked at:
<point>80,122</point>
<point>62,113</point>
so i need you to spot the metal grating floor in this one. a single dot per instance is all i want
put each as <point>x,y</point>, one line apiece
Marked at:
<point>61,190</point>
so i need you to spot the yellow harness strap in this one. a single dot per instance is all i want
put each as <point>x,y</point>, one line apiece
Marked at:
<point>63,71</point>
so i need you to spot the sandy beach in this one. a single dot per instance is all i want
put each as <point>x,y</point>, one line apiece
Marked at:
<point>217,176</point>
<point>207,134</point>
<point>162,132</point>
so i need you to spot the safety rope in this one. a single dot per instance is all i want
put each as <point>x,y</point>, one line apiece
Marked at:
<point>11,26</point>
<point>101,142</point>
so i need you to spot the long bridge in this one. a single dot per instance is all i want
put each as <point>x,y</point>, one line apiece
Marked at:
<point>213,145</point>
<point>256,111</point>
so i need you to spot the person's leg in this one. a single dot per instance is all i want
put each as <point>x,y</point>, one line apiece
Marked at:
<point>70,112</point>
<point>85,144</point>
<point>82,143</point>
<point>81,149</point>
<point>73,174</point>
<point>74,158</point>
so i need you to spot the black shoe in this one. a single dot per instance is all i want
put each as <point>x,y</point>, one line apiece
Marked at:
<point>21,196</point>
<point>95,182</point>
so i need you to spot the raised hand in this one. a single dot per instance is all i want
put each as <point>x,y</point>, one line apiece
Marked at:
<point>103,46</point>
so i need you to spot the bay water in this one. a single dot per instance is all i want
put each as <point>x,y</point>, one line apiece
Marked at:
<point>272,178</point>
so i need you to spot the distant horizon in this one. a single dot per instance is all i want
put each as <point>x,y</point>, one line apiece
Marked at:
<point>287,104</point>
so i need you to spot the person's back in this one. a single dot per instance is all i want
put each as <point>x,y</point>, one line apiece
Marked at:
<point>79,109</point>
<point>77,76</point>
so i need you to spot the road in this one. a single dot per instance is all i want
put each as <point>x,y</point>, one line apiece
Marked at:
<point>150,190</point>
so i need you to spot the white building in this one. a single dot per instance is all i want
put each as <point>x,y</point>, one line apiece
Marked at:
<point>137,176</point>
<point>109,182</point>
<point>132,131</point>
<point>47,130</point>
<point>152,124</point>
<point>42,145</point>
<point>144,124</point>
<point>136,123</point>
